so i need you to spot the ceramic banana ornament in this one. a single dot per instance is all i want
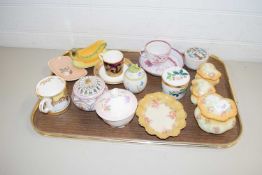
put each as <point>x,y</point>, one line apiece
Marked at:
<point>88,57</point>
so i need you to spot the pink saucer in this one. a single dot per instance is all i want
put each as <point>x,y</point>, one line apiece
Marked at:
<point>175,59</point>
<point>62,66</point>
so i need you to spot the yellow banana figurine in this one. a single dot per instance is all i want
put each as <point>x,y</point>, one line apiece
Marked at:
<point>88,57</point>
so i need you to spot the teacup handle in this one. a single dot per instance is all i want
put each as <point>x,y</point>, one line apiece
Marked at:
<point>182,55</point>
<point>141,52</point>
<point>101,55</point>
<point>45,105</point>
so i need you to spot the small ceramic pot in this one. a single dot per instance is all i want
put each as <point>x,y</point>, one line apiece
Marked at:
<point>135,79</point>
<point>194,57</point>
<point>116,107</point>
<point>175,81</point>
<point>86,91</point>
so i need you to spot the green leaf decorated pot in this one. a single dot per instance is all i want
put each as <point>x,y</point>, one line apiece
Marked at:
<point>175,81</point>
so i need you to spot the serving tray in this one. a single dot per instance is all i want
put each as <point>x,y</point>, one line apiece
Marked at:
<point>75,123</point>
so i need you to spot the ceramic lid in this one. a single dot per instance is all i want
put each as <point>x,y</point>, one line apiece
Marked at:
<point>89,87</point>
<point>197,53</point>
<point>176,76</point>
<point>116,104</point>
<point>135,72</point>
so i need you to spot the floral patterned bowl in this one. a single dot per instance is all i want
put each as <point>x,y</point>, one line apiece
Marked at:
<point>116,107</point>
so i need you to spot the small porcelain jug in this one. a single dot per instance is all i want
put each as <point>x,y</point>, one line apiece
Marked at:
<point>135,79</point>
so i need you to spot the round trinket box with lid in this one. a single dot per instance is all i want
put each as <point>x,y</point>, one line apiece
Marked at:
<point>175,81</point>
<point>194,57</point>
<point>86,91</point>
<point>116,107</point>
<point>135,79</point>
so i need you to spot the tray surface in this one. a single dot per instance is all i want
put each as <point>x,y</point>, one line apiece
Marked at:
<point>75,123</point>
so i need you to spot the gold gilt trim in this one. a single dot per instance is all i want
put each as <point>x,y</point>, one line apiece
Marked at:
<point>197,144</point>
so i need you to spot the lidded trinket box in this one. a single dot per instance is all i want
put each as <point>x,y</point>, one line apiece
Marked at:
<point>175,81</point>
<point>194,57</point>
<point>116,107</point>
<point>135,79</point>
<point>86,91</point>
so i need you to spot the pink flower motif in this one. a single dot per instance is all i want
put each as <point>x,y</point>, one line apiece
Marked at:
<point>155,103</point>
<point>210,109</point>
<point>211,74</point>
<point>216,130</point>
<point>147,120</point>
<point>197,116</point>
<point>207,121</point>
<point>148,63</point>
<point>127,99</point>
<point>172,114</point>
<point>106,108</point>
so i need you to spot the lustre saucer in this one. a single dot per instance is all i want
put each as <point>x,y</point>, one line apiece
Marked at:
<point>175,59</point>
<point>62,66</point>
<point>99,70</point>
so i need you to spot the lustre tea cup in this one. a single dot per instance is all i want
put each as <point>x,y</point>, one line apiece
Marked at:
<point>175,81</point>
<point>157,51</point>
<point>86,91</point>
<point>53,95</point>
<point>135,78</point>
<point>194,57</point>
<point>113,62</point>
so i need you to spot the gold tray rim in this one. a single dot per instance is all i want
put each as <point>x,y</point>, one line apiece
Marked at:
<point>140,141</point>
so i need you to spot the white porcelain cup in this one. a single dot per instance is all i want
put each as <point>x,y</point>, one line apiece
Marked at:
<point>53,95</point>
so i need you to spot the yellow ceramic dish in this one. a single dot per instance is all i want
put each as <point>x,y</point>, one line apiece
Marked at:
<point>161,115</point>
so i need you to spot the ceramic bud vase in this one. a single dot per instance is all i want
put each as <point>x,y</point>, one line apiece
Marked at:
<point>135,79</point>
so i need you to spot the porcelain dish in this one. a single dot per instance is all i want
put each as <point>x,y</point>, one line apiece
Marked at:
<point>116,107</point>
<point>62,66</point>
<point>86,91</point>
<point>161,115</point>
